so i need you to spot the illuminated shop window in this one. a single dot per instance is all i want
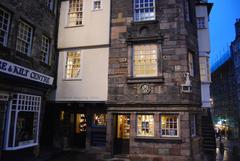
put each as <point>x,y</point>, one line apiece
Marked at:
<point>62,115</point>
<point>75,13</point>
<point>145,60</point>
<point>73,65</point>
<point>145,125</point>
<point>99,119</point>
<point>169,126</point>
<point>123,126</point>
<point>23,127</point>
<point>81,123</point>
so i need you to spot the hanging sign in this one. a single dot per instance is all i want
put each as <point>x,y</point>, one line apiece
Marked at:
<point>23,72</point>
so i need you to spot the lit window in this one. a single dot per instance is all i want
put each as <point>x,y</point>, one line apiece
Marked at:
<point>81,123</point>
<point>190,63</point>
<point>4,26</point>
<point>123,126</point>
<point>45,49</point>
<point>75,13</point>
<point>24,38</point>
<point>145,125</point>
<point>169,126</point>
<point>49,4</point>
<point>99,119</point>
<point>23,127</point>
<point>97,4</point>
<point>193,125</point>
<point>144,10</point>
<point>200,22</point>
<point>73,65</point>
<point>145,60</point>
<point>62,115</point>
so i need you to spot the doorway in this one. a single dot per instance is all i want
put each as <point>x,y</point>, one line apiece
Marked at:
<point>122,134</point>
<point>2,121</point>
<point>80,130</point>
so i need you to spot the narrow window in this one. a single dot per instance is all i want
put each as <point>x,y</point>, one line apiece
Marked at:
<point>49,4</point>
<point>73,65</point>
<point>145,125</point>
<point>75,13</point>
<point>145,60</point>
<point>191,63</point>
<point>45,49</point>
<point>4,26</point>
<point>24,38</point>
<point>144,10</point>
<point>169,126</point>
<point>200,22</point>
<point>193,125</point>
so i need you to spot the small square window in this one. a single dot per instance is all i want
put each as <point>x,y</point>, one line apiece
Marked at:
<point>200,22</point>
<point>99,120</point>
<point>97,4</point>
<point>145,125</point>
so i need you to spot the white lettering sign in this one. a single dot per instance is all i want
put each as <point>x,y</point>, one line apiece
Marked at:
<point>19,71</point>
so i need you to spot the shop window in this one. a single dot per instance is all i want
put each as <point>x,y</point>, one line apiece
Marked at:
<point>23,127</point>
<point>99,119</point>
<point>144,10</point>
<point>4,26</point>
<point>145,125</point>
<point>73,65</point>
<point>145,60</point>
<point>81,124</point>
<point>169,126</point>
<point>75,13</point>
<point>123,126</point>
<point>24,38</point>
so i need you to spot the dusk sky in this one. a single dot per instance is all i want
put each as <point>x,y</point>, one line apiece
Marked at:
<point>222,30</point>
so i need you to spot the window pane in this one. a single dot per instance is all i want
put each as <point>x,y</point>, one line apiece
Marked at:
<point>123,126</point>
<point>73,65</point>
<point>169,125</point>
<point>145,60</point>
<point>145,125</point>
<point>146,9</point>
<point>75,12</point>
<point>45,47</point>
<point>4,26</point>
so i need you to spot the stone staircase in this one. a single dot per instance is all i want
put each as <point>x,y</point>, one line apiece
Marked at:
<point>208,134</point>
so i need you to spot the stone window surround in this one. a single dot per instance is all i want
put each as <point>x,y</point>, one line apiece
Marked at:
<point>5,37</point>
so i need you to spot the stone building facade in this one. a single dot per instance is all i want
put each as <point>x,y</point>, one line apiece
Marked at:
<point>27,70</point>
<point>154,101</point>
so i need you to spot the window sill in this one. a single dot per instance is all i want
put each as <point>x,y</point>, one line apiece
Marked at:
<point>77,79</point>
<point>74,26</point>
<point>95,10</point>
<point>158,79</point>
<point>24,56</point>
<point>159,140</point>
<point>45,65</point>
<point>144,22</point>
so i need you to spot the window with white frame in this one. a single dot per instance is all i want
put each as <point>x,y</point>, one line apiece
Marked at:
<point>193,125</point>
<point>169,125</point>
<point>145,60</point>
<point>200,22</point>
<point>73,65</point>
<point>97,5</point>
<point>4,26</point>
<point>191,63</point>
<point>144,10</point>
<point>75,13</point>
<point>145,125</point>
<point>45,49</point>
<point>23,125</point>
<point>49,4</point>
<point>24,38</point>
